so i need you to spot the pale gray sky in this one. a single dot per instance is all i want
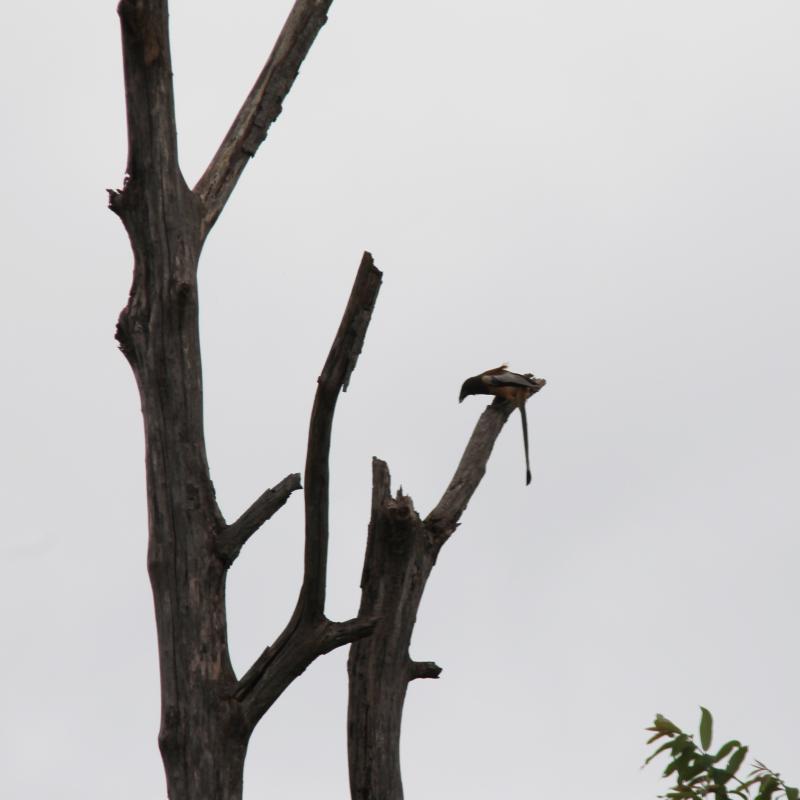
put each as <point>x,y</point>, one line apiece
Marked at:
<point>603,193</point>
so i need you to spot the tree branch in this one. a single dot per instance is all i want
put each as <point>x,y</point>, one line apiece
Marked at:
<point>424,669</point>
<point>443,520</point>
<point>401,552</point>
<point>399,558</point>
<point>232,538</point>
<point>261,107</point>
<point>340,633</point>
<point>290,655</point>
<point>309,633</point>
<point>335,376</point>
<point>152,135</point>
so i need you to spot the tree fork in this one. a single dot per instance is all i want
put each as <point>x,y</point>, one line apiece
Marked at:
<point>207,715</point>
<point>401,552</point>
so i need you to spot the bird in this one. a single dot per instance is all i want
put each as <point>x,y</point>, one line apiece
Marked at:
<point>512,386</point>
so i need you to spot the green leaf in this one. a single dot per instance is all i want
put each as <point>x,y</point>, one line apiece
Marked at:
<point>670,768</point>
<point>661,749</point>
<point>682,792</point>
<point>716,775</point>
<point>698,767</point>
<point>792,793</point>
<point>705,761</point>
<point>663,725</point>
<point>706,728</point>
<point>684,767</point>
<point>719,776</point>
<point>769,785</point>
<point>683,744</point>
<point>747,784</point>
<point>726,748</point>
<point>736,761</point>
<point>679,764</point>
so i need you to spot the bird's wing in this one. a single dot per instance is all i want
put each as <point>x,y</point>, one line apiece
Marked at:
<point>505,378</point>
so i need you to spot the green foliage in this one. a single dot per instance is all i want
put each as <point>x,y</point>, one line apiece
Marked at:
<point>706,728</point>
<point>700,773</point>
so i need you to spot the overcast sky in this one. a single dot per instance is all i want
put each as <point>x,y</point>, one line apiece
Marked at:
<point>603,193</point>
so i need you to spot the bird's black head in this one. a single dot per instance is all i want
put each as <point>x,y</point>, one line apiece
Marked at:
<point>471,386</point>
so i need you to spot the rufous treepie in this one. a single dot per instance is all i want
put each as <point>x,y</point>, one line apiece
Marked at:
<point>511,386</point>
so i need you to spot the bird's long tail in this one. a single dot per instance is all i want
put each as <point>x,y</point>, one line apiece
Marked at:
<point>525,440</point>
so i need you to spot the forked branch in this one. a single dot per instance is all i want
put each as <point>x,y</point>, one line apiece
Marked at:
<point>207,715</point>
<point>309,633</point>
<point>401,552</point>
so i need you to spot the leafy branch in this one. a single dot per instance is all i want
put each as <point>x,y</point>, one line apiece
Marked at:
<point>699,773</point>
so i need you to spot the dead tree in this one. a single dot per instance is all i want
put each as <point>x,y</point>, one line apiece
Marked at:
<point>207,712</point>
<point>401,551</point>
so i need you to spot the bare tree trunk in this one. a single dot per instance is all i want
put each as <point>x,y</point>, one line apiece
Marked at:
<point>401,552</point>
<point>207,714</point>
